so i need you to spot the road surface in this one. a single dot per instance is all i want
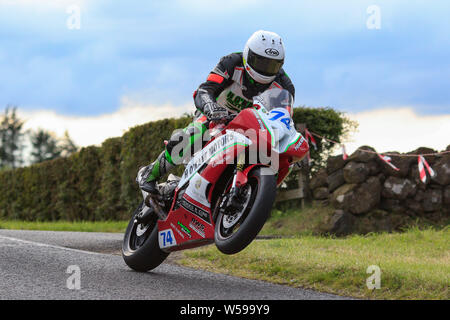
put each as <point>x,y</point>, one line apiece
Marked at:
<point>84,265</point>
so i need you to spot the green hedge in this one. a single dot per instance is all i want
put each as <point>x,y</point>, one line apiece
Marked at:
<point>327,123</point>
<point>96,183</point>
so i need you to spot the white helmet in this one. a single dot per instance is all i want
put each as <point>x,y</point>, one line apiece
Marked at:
<point>263,56</point>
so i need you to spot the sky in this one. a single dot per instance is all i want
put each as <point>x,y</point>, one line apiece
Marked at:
<point>98,67</point>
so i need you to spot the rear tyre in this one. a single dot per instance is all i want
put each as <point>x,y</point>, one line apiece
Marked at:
<point>235,232</point>
<point>140,248</point>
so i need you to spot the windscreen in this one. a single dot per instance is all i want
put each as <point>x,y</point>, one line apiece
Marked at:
<point>275,98</point>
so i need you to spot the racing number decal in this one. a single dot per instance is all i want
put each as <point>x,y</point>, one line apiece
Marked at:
<point>166,238</point>
<point>278,115</point>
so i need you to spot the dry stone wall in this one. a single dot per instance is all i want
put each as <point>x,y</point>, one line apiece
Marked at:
<point>369,195</point>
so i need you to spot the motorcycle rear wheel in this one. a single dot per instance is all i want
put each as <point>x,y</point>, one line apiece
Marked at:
<point>234,233</point>
<point>140,248</point>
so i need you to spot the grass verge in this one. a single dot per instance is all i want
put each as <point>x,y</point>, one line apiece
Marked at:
<point>87,226</point>
<point>414,264</point>
<point>295,222</point>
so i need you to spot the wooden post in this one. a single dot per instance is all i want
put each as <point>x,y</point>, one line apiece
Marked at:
<point>301,187</point>
<point>307,197</point>
<point>304,170</point>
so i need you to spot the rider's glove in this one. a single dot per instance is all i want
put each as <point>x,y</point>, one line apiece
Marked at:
<point>214,111</point>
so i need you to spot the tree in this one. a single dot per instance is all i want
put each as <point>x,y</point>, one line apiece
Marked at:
<point>328,123</point>
<point>67,145</point>
<point>11,139</point>
<point>44,146</point>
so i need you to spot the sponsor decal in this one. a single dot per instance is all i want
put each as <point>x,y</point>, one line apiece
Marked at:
<point>166,238</point>
<point>300,142</point>
<point>237,103</point>
<point>261,126</point>
<point>197,227</point>
<point>272,52</point>
<point>177,230</point>
<point>209,151</point>
<point>185,229</point>
<point>195,210</point>
<point>197,189</point>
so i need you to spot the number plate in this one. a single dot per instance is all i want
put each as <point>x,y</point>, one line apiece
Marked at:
<point>166,239</point>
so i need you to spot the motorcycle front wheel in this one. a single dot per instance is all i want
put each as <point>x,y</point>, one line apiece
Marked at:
<point>234,232</point>
<point>140,248</point>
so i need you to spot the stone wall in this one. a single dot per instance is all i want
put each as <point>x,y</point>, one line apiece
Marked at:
<point>369,195</point>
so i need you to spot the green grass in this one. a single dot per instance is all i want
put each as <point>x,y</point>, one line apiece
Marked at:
<point>414,264</point>
<point>287,223</point>
<point>87,226</point>
<point>295,222</point>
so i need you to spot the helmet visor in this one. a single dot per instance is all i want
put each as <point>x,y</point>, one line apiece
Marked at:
<point>263,65</point>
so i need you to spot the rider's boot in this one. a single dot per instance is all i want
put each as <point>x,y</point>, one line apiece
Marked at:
<point>149,175</point>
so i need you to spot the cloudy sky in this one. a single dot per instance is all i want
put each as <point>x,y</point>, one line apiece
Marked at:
<point>98,67</point>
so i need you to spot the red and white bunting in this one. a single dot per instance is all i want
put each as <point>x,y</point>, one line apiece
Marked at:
<point>423,175</point>
<point>388,159</point>
<point>309,158</point>
<point>344,152</point>
<point>311,138</point>
<point>422,162</point>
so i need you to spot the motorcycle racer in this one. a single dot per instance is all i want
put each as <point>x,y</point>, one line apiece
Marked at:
<point>229,88</point>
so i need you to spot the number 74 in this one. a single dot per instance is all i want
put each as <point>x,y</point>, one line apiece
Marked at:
<point>278,115</point>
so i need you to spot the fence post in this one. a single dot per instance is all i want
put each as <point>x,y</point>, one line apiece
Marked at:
<point>304,171</point>
<point>301,186</point>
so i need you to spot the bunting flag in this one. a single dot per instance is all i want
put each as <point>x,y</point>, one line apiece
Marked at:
<point>344,152</point>
<point>309,158</point>
<point>311,138</point>
<point>388,161</point>
<point>423,175</point>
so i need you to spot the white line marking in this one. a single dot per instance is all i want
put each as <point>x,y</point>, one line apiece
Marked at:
<point>39,244</point>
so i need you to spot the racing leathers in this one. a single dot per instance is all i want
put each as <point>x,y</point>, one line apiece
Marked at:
<point>227,89</point>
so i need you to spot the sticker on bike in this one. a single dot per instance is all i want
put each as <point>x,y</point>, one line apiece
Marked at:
<point>228,140</point>
<point>277,114</point>
<point>166,239</point>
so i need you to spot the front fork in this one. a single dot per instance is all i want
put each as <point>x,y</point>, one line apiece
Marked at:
<point>239,178</point>
<point>233,201</point>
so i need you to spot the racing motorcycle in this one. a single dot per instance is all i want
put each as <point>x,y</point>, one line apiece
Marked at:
<point>227,190</point>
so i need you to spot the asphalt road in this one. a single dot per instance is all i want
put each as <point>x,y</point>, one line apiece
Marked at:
<point>81,265</point>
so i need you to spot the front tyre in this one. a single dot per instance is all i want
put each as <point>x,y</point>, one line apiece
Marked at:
<point>140,248</point>
<point>234,232</point>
